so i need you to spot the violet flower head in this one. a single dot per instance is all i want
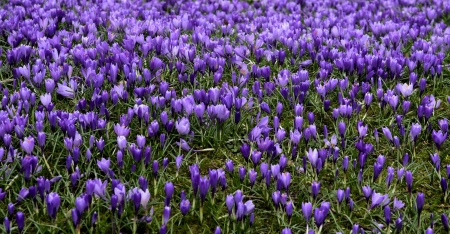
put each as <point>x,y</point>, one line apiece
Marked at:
<point>204,187</point>
<point>438,137</point>
<point>185,205</point>
<point>183,126</point>
<point>416,128</point>
<point>420,201</point>
<point>321,213</point>
<point>405,89</point>
<point>377,199</point>
<point>53,202</point>
<point>65,91</point>
<point>104,164</point>
<point>20,220</point>
<point>27,144</point>
<point>307,210</point>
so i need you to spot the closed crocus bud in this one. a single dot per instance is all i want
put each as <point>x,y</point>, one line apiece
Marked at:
<point>399,224</point>
<point>114,201</point>
<point>387,214</point>
<point>165,163</point>
<point>342,129</point>
<point>315,188</point>
<point>166,215</point>
<point>217,231</point>
<point>75,217</point>
<point>185,205</point>
<point>420,200</point>
<point>422,85</point>
<point>444,185</point>
<point>307,210</point>
<point>355,229</point>
<point>169,190</point>
<point>444,220</point>
<point>163,229</point>
<point>229,201</point>
<point>7,224</point>
<point>41,139</point>
<point>155,168</point>
<point>10,209</point>
<point>289,209</point>
<point>245,150</point>
<point>229,166</point>
<point>242,172</point>
<point>20,219</point>
<point>53,203</point>
<point>94,219</point>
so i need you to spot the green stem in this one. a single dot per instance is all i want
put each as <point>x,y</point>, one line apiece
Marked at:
<point>320,229</point>
<point>134,225</point>
<point>155,187</point>
<point>201,213</point>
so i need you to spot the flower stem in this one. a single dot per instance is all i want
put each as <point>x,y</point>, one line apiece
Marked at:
<point>201,213</point>
<point>134,225</point>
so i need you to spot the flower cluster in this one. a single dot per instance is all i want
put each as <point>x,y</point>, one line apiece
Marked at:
<point>111,109</point>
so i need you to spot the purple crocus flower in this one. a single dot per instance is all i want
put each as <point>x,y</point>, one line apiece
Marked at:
<point>65,91</point>
<point>230,166</point>
<point>416,128</point>
<point>320,213</point>
<point>27,144</point>
<point>11,209</point>
<point>438,138</point>
<point>7,225</point>
<point>340,195</point>
<point>242,172</point>
<point>46,99</point>
<point>229,201</point>
<point>53,202</point>
<point>20,220</point>
<point>420,200</point>
<point>405,89</point>
<point>387,214</point>
<point>388,134</point>
<point>104,164</point>
<point>315,188</point>
<point>204,187</point>
<point>377,199</point>
<point>399,223</point>
<point>75,217</point>
<point>444,220</point>
<point>409,180</point>
<point>183,126</point>
<point>145,197</point>
<point>398,204</point>
<point>166,215</point>
<point>185,205</point>
<point>169,190</point>
<point>313,156</point>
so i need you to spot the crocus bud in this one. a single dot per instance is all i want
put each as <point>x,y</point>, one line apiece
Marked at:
<point>20,219</point>
<point>7,224</point>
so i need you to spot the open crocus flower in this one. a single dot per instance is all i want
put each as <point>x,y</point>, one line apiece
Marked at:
<point>46,99</point>
<point>65,91</point>
<point>405,89</point>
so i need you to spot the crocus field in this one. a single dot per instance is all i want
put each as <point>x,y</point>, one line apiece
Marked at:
<point>205,116</point>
